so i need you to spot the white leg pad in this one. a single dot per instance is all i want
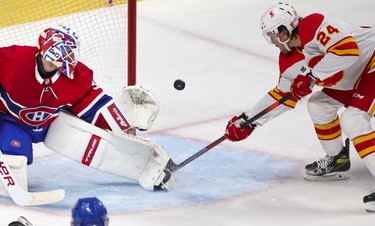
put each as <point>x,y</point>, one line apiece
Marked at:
<point>18,165</point>
<point>153,173</point>
<point>121,154</point>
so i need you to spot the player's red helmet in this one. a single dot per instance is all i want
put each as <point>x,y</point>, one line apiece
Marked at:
<point>60,45</point>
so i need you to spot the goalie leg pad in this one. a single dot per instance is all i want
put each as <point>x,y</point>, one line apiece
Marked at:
<point>154,173</point>
<point>122,155</point>
<point>18,165</point>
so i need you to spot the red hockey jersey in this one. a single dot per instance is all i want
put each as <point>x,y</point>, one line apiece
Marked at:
<point>36,101</point>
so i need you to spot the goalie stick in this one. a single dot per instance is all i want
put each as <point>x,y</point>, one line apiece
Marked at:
<point>22,197</point>
<point>172,166</point>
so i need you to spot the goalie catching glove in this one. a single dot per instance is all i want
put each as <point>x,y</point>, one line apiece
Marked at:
<point>139,106</point>
<point>234,130</point>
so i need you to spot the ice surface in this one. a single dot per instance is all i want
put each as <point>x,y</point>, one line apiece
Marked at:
<point>217,48</point>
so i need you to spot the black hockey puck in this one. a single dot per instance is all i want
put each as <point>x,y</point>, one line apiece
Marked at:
<point>179,84</point>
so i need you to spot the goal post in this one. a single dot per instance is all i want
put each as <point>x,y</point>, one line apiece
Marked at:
<point>106,29</point>
<point>132,41</point>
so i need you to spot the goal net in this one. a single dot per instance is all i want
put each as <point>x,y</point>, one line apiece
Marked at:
<point>107,46</point>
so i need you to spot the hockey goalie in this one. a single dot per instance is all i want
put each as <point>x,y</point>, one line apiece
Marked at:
<point>116,153</point>
<point>39,83</point>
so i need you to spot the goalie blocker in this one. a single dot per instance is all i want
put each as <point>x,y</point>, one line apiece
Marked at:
<point>119,154</point>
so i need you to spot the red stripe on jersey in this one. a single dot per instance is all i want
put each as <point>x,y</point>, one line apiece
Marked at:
<point>278,95</point>
<point>308,27</point>
<point>332,80</point>
<point>371,64</point>
<point>91,150</point>
<point>345,47</point>
<point>314,61</point>
<point>288,60</point>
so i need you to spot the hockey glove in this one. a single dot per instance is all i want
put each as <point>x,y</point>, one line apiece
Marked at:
<point>234,132</point>
<point>302,85</point>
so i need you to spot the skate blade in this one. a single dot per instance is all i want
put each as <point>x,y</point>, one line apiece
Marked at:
<point>370,207</point>
<point>328,177</point>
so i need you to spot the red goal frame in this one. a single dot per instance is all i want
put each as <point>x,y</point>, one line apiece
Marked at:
<point>132,36</point>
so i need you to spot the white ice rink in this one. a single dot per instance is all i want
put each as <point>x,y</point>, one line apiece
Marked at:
<point>216,46</point>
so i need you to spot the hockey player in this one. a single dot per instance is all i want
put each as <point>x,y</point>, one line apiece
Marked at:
<point>336,162</point>
<point>89,212</point>
<point>37,83</point>
<point>340,56</point>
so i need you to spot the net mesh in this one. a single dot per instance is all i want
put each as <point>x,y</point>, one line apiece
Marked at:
<point>100,24</point>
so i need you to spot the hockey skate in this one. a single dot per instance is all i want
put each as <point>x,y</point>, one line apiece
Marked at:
<point>22,221</point>
<point>369,201</point>
<point>167,182</point>
<point>330,167</point>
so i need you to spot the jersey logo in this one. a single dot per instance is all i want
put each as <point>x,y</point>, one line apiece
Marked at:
<point>16,143</point>
<point>38,116</point>
<point>357,95</point>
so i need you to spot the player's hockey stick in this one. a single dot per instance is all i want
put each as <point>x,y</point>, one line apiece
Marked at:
<point>22,197</point>
<point>172,166</point>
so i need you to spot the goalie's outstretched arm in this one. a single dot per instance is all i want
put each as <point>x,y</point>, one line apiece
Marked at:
<point>135,107</point>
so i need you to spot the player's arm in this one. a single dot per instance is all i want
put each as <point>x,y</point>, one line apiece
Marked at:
<point>135,107</point>
<point>290,66</point>
<point>273,95</point>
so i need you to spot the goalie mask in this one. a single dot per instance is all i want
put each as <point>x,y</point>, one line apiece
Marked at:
<point>282,14</point>
<point>60,45</point>
<point>89,212</point>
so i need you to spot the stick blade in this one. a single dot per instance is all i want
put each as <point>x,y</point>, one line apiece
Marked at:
<point>24,198</point>
<point>46,197</point>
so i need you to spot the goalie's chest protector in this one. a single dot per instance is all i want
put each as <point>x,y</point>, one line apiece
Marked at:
<point>36,101</point>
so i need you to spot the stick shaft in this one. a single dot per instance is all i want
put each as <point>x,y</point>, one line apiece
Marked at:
<point>267,109</point>
<point>174,167</point>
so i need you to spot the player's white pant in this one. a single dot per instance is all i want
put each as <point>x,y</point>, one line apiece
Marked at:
<point>123,155</point>
<point>357,125</point>
<point>323,112</point>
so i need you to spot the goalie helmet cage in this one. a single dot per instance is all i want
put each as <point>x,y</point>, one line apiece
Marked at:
<point>106,30</point>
